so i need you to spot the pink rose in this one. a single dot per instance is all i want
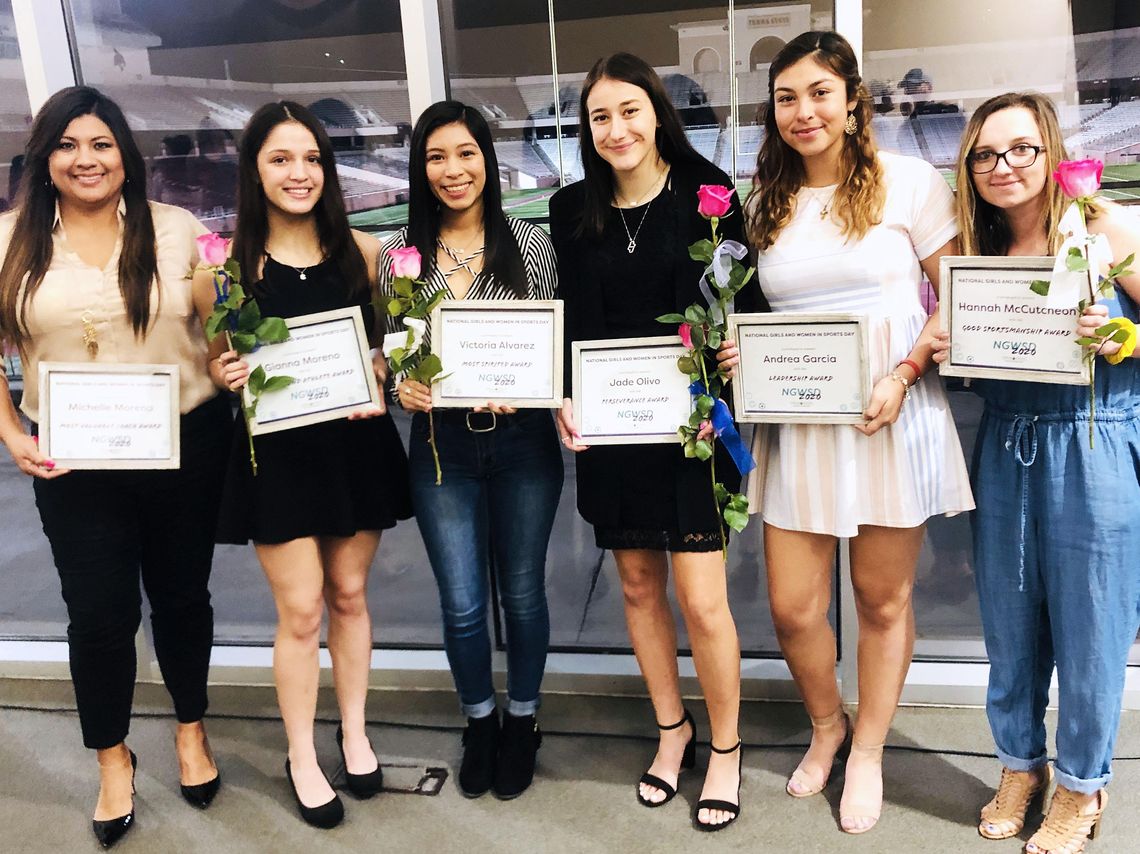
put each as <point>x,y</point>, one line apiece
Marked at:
<point>713,200</point>
<point>213,249</point>
<point>1079,179</point>
<point>405,262</point>
<point>686,334</point>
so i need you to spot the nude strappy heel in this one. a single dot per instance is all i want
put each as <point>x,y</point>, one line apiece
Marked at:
<point>803,785</point>
<point>1004,815</point>
<point>858,810</point>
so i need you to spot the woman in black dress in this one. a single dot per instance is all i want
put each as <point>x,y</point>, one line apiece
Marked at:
<point>622,236</point>
<point>324,492</point>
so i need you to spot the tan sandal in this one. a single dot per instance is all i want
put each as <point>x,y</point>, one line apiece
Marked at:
<point>1004,815</point>
<point>803,785</point>
<point>1066,829</point>
<point>859,812</point>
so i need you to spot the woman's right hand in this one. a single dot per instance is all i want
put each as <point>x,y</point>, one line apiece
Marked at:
<point>234,370</point>
<point>567,432</point>
<point>728,357</point>
<point>414,396</point>
<point>25,451</point>
<point>940,345</point>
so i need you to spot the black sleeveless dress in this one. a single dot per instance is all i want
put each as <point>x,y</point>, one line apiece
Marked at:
<point>328,479</point>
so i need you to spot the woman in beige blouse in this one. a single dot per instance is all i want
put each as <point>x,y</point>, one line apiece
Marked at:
<point>93,272</point>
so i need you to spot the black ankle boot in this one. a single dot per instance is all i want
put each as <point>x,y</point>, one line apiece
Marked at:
<point>480,746</point>
<point>518,745</point>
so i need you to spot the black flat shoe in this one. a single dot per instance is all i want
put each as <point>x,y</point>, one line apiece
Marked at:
<point>362,786</point>
<point>201,795</point>
<point>327,815</point>
<point>688,760</point>
<point>480,749</point>
<point>723,806</point>
<point>518,751</point>
<point>112,830</point>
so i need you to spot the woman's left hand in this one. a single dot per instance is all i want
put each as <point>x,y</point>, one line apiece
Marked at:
<point>886,403</point>
<point>380,368</point>
<point>1094,317</point>
<point>497,408</point>
<point>372,410</point>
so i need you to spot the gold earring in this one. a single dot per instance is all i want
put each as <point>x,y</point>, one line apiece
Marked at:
<point>851,126</point>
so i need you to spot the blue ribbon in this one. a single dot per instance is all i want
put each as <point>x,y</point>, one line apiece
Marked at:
<point>724,428</point>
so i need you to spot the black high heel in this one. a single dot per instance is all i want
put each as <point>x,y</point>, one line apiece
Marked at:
<point>327,815</point>
<point>723,806</point>
<point>362,786</point>
<point>688,760</point>
<point>113,829</point>
<point>201,795</point>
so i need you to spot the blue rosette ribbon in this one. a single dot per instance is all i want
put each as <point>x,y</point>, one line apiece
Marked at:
<point>725,429</point>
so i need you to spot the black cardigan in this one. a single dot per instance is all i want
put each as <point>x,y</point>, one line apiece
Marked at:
<point>580,288</point>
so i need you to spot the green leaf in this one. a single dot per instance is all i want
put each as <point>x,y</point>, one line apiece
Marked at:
<point>736,520</point>
<point>695,315</point>
<point>257,380</point>
<point>429,367</point>
<point>702,250</point>
<point>738,502</point>
<point>233,268</point>
<point>1082,305</point>
<point>1040,287</point>
<point>720,493</point>
<point>1084,341</point>
<point>249,317</point>
<point>698,335</point>
<point>272,330</point>
<point>244,342</point>
<point>690,449</point>
<point>695,419</point>
<point>1121,336</point>
<point>1075,261</point>
<point>705,405</point>
<point>395,307</point>
<point>277,383</point>
<point>236,297</point>
<point>1108,328</point>
<point>714,338</point>
<point>1121,269</point>
<point>686,364</point>
<point>216,323</point>
<point>703,449</point>
<point>671,318</point>
<point>403,287</point>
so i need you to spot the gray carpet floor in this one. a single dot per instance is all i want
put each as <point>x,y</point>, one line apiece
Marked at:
<point>582,799</point>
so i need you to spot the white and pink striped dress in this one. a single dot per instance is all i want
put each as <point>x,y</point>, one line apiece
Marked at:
<point>830,479</point>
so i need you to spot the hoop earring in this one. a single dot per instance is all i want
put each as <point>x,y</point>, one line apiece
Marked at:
<point>851,126</point>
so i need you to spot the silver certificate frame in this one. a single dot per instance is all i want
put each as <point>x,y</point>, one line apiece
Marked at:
<point>1000,329</point>
<point>110,399</point>
<point>801,367</point>
<point>327,354</point>
<point>489,353</point>
<point>654,361</point>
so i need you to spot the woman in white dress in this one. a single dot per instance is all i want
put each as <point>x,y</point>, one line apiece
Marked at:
<point>839,226</point>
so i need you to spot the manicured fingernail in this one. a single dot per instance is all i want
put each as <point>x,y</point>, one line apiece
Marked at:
<point>48,464</point>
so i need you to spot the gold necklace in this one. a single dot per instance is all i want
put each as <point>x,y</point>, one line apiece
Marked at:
<point>90,335</point>
<point>824,206</point>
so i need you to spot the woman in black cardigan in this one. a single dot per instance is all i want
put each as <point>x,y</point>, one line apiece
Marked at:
<point>622,236</point>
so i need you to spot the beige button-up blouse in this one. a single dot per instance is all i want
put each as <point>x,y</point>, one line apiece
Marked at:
<point>72,288</point>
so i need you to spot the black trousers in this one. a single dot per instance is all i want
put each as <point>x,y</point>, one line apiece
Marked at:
<point>108,528</point>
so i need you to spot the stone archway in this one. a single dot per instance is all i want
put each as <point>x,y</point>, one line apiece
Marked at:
<point>764,51</point>
<point>707,59</point>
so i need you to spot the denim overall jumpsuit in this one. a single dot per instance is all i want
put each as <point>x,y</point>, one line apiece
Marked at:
<point>1057,562</point>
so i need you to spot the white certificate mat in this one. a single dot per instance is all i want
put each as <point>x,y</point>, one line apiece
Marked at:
<point>1001,329</point>
<point>505,351</point>
<point>107,416</point>
<point>327,356</point>
<point>629,391</point>
<point>801,368</point>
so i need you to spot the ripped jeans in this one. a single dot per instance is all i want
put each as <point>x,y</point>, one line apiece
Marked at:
<point>1057,565</point>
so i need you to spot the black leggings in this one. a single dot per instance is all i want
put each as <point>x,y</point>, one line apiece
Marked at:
<point>106,528</point>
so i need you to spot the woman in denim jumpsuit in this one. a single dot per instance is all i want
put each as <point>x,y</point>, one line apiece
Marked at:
<point>1056,531</point>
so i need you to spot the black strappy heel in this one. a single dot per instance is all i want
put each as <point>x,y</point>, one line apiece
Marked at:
<point>723,806</point>
<point>688,760</point>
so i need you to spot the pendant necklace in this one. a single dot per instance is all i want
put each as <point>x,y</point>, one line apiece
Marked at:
<point>632,245</point>
<point>300,271</point>
<point>824,206</point>
<point>461,258</point>
<point>90,336</point>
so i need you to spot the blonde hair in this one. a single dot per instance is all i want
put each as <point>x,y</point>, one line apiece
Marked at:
<point>860,196</point>
<point>984,228</point>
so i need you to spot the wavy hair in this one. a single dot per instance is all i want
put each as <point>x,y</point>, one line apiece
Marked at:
<point>672,144</point>
<point>30,247</point>
<point>780,173</point>
<point>984,227</point>
<point>502,257</point>
<point>251,230</point>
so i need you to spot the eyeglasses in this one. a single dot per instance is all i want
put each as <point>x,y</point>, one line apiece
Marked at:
<point>1018,157</point>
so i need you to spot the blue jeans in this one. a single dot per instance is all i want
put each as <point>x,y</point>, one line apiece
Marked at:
<point>1056,534</point>
<point>499,495</point>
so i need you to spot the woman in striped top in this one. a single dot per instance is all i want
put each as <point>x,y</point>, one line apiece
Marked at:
<point>502,469</point>
<point>840,226</point>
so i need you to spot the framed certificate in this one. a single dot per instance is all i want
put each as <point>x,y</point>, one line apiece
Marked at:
<point>801,368</point>
<point>629,391</point>
<point>505,351</point>
<point>108,416</point>
<point>1000,329</point>
<point>327,356</point>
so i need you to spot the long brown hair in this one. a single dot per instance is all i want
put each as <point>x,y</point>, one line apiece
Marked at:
<point>30,248</point>
<point>984,227</point>
<point>780,169</point>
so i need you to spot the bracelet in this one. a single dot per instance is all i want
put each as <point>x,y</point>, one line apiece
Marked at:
<point>895,375</point>
<point>914,367</point>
